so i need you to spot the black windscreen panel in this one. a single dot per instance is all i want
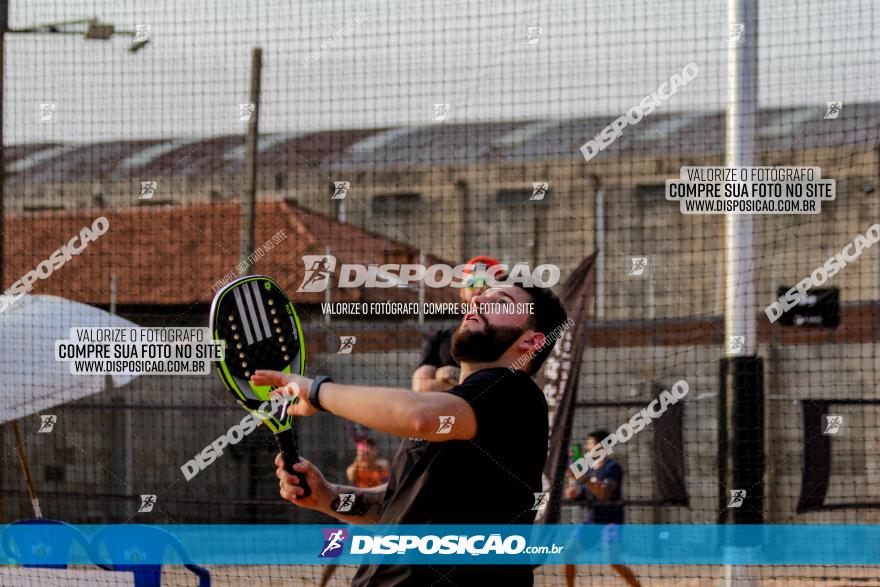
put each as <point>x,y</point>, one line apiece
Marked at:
<point>817,458</point>
<point>668,461</point>
<point>840,439</point>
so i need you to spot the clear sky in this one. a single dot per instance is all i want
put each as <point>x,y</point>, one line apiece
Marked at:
<point>387,62</point>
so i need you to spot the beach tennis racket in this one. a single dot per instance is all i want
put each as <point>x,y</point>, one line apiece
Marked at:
<point>261,330</point>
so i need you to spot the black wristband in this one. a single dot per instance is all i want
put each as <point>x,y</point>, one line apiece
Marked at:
<point>315,389</point>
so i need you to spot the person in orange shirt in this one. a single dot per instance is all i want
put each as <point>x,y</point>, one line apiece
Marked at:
<point>368,469</point>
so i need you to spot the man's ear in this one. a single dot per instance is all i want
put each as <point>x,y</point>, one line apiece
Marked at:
<point>533,341</point>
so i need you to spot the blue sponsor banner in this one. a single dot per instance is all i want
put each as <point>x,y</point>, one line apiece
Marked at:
<point>49,543</point>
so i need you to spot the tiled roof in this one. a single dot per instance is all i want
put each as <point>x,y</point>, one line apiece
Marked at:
<point>172,255</point>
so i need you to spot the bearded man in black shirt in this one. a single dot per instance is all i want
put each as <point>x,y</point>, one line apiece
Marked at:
<point>471,455</point>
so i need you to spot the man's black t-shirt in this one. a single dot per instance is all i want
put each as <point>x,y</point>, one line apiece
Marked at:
<point>490,479</point>
<point>437,350</point>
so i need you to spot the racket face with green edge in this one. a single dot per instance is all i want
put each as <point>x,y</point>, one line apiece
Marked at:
<point>259,325</point>
<point>261,330</point>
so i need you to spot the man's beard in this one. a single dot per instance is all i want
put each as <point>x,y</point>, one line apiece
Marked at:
<point>470,346</point>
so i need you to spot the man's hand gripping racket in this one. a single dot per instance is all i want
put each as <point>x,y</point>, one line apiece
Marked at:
<point>259,324</point>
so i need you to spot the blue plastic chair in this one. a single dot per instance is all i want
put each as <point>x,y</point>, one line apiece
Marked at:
<point>132,542</point>
<point>31,548</point>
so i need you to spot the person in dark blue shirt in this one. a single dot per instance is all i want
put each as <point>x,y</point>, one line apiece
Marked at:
<point>600,492</point>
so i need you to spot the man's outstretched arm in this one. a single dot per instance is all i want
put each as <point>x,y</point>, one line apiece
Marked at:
<point>400,412</point>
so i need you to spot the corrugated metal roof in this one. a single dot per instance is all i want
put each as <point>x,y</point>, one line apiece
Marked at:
<point>380,139</point>
<point>313,149</point>
<point>146,156</point>
<point>440,143</point>
<point>81,162</point>
<point>524,134</point>
<point>38,156</point>
<point>264,143</point>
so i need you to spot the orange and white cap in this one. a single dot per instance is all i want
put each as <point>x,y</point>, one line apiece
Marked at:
<point>479,266</point>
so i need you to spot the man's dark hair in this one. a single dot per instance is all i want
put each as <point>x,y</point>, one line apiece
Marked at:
<point>547,316</point>
<point>598,435</point>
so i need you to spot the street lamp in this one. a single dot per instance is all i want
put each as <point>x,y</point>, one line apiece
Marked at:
<point>89,28</point>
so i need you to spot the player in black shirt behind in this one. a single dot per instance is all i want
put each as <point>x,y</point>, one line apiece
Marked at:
<point>471,455</point>
<point>438,370</point>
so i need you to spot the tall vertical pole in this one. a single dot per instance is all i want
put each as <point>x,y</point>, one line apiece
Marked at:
<point>4,26</point>
<point>742,104</point>
<point>462,189</point>
<point>741,397</point>
<point>249,198</point>
<point>120,427</point>
<point>328,298</point>
<point>423,262</point>
<point>249,209</point>
<point>25,471</point>
<point>741,389</point>
<point>599,247</point>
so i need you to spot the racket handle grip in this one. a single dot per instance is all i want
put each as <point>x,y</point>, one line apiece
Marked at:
<point>287,446</point>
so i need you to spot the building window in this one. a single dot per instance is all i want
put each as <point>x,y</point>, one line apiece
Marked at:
<point>400,215</point>
<point>396,204</point>
<point>651,192</point>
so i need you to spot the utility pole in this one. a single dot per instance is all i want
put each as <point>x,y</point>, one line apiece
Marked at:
<point>249,198</point>
<point>249,211</point>
<point>4,25</point>
<point>742,388</point>
<point>741,393</point>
